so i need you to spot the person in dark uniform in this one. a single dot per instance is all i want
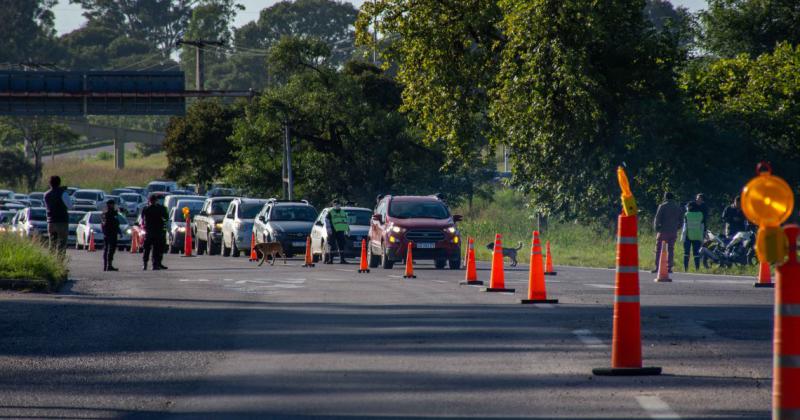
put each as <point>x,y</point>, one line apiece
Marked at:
<point>734,219</point>
<point>111,231</point>
<point>154,217</point>
<point>58,203</point>
<point>337,220</point>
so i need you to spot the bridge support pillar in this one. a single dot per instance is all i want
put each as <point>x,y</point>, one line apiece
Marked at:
<point>119,149</point>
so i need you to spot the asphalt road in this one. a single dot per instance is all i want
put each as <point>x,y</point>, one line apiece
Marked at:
<point>216,337</point>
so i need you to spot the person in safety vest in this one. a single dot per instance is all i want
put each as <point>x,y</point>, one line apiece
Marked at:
<point>693,233</point>
<point>734,219</point>
<point>337,219</point>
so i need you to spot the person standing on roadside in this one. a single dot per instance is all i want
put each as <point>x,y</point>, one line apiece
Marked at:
<point>734,219</point>
<point>154,217</point>
<point>111,231</point>
<point>693,233</point>
<point>669,217</point>
<point>58,202</point>
<point>700,199</point>
<point>338,222</point>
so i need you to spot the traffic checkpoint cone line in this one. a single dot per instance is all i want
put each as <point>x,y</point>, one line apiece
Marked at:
<point>309,260</point>
<point>764,276</point>
<point>497,276</point>
<point>363,266</point>
<point>537,289</point>
<point>663,265</point>
<point>253,254</point>
<point>626,343</point>
<point>548,264</point>
<point>409,274</point>
<point>786,344</point>
<point>187,239</point>
<point>134,242</point>
<point>471,277</point>
<point>91,242</point>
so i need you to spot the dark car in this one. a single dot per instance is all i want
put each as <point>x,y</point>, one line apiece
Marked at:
<point>423,220</point>
<point>287,222</point>
<point>324,245</point>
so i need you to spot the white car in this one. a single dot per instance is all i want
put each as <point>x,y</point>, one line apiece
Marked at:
<point>323,245</point>
<point>32,221</point>
<point>237,226</point>
<point>176,225</point>
<point>92,222</point>
<point>74,218</point>
<point>97,197</point>
<point>132,203</point>
<point>7,194</point>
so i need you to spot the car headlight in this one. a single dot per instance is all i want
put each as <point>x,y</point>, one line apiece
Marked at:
<point>397,229</point>
<point>128,231</point>
<point>218,226</point>
<point>456,239</point>
<point>181,229</point>
<point>451,229</point>
<point>392,239</point>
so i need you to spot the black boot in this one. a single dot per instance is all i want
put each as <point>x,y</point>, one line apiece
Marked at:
<point>111,268</point>
<point>144,266</point>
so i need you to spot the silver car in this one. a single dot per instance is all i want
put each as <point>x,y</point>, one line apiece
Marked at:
<point>96,197</point>
<point>32,222</point>
<point>92,222</point>
<point>132,203</point>
<point>237,226</point>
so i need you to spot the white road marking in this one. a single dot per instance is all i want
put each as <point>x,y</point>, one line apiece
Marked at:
<point>440,281</point>
<point>588,339</point>
<point>656,407</point>
<point>395,277</point>
<point>193,280</point>
<point>345,270</point>
<point>601,286</point>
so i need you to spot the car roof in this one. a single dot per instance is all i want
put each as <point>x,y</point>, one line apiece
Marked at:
<point>90,190</point>
<point>413,198</point>
<point>250,200</point>
<point>222,197</point>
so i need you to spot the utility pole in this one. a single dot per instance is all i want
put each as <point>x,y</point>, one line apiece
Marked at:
<point>287,163</point>
<point>199,60</point>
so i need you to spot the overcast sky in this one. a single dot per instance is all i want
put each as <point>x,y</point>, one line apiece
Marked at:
<point>68,16</point>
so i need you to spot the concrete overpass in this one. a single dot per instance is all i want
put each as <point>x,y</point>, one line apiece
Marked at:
<point>120,136</point>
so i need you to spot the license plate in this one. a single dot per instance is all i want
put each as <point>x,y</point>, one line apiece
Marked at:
<point>426,245</point>
<point>299,243</point>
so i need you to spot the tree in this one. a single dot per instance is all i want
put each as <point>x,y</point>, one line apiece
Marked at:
<point>197,144</point>
<point>33,136</point>
<point>27,32</point>
<point>14,168</point>
<point>751,27</point>
<point>210,21</point>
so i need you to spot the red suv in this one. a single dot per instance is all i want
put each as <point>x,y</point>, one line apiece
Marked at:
<point>423,220</point>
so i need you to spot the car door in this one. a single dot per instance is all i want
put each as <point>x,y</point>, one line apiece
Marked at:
<point>261,223</point>
<point>199,223</point>
<point>80,231</point>
<point>376,226</point>
<point>227,223</point>
<point>318,233</point>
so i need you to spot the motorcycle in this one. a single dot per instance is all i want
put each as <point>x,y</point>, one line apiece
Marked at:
<point>740,249</point>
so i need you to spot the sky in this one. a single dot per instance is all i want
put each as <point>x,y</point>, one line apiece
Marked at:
<point>68,16</point>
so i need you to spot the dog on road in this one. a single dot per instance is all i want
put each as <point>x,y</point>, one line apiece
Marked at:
<point>511,253</point>
<point>271,249</point>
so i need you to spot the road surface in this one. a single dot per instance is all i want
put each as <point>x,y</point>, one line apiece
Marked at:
<point>216,337</point>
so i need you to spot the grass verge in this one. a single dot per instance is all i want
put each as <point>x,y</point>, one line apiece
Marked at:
<point>100,174</point>
<point>28,264</point>
<point>572,244</point>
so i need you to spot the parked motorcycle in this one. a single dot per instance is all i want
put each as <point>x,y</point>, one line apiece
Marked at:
<point>718,250</point>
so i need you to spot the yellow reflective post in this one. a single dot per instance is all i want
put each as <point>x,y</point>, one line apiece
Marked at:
<point>628,202</point>
<point>185,211</point>
<point>767,201</point>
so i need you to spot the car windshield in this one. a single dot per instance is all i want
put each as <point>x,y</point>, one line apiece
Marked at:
<point>358,217</point>
<point>220,207</point>
<point>87,195</point>
<point>177,216</point>
<point>130,197</point>
<point>75,217</point>
<point>157,187</point>
<point>38,215</point>
<point>418,210</point>
<point>249,210</point>
<point>293,213</point>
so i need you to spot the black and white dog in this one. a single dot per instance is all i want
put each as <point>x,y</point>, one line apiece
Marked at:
<point>511,253</point>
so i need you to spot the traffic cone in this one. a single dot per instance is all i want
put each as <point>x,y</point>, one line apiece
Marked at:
<point>91,242</point>
<point>187,239</point>
<point>471,279</point>
<point>548,263</point>
<point>626,343</point>
<point>363,267</point>
<point>763,277</point>
<point>134,242</point>
<point>786,346</point>
<point>409,263</point>
<point>497,278</point>
<point>663,265</point>
<point>537,290</point>
<point>309,258</point>
<point>253,254</point>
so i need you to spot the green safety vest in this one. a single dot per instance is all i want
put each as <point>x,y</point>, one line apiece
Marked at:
<point>339,220</point>
<point>694,226</point>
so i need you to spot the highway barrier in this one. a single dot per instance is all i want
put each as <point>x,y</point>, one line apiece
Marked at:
<point>786,353</point>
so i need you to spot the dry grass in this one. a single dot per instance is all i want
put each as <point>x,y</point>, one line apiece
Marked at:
<point>100,173</point>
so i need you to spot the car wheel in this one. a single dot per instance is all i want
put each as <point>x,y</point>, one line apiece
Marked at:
<point>386,263</point>
<point>210,248</point>
<point>235,249</point>
<point>226,252</point>
<point>374,260</point>
<point>455,264</point>
<point>440,264</point>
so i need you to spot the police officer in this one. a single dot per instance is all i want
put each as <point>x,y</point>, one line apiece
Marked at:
<point>734,219</point>
<point>154,217</point>
<point>337,219</point>
<point>111,231</point>
<point>58,203</point>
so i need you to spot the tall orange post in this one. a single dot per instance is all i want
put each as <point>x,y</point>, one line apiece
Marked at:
<point>537,290</point>
<point>764,279</point>
<point>134,242</point>
<point>187,238</point>
<point>548,262</point>
<point>786,345</point>
<point>497,282</point>
<point>92,247</point>
<point>626,343</point>
<point>253,253</point>
<point>471,278</point>
<point>363,266</point>
<point>409,274</point>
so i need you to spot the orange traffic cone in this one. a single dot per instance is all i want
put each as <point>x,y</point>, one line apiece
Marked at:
<point>471,279</point>
<point>548,263</point>
<point>309,258</point>
<point>91,241</point>
<point>663,265</point>
<point>253,254</point>
<point>626,342</point>
<point>537,290</point>
<point>409,274</point>
<point>187,239</point>
<point>786,352</point>
<point>497,278</point>
<point>764,277</point>
<point>363,267</point>
<point>134,242</point>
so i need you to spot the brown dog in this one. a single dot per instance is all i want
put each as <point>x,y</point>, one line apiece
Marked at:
<point>273,249</point>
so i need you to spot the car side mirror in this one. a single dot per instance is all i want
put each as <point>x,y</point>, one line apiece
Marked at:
<point>319,223</point>
<point>262,218</point>
<point>457,218</point>
<point>377,218</point>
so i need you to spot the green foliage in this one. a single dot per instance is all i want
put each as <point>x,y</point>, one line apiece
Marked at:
<point>26,259</point>
<point>197,144</point>
<point>27,32</point>
<point>13,168</point>
<point>33,135</point>
<point>752,27</point>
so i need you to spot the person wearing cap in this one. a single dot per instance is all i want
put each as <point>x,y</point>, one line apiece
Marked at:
<point>669,218</point>
<point>111,231</point>
<point>154,217</point>
<point>337,219</point>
